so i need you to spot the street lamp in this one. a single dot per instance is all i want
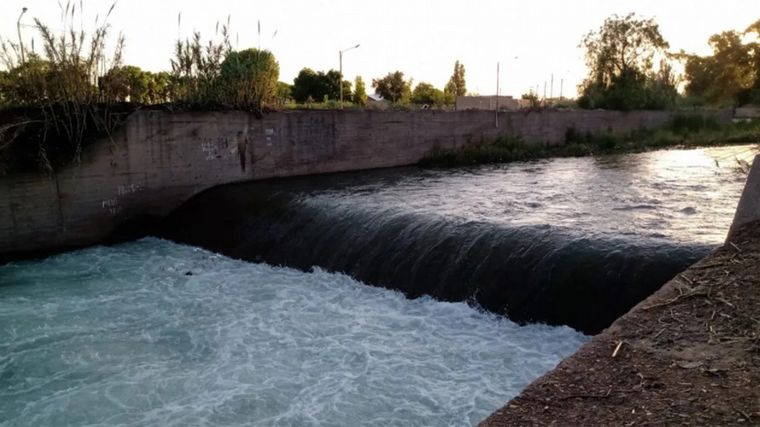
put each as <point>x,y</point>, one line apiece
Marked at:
<point>18,28</point>
<point>496,120</point>
<point>340,71</point>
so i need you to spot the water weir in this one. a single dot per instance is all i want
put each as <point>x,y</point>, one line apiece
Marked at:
<point>579,266</point>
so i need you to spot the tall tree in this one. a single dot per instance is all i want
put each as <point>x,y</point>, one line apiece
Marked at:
<point>393,87</point>
<point>456,85</point>
<point>726,76</point>
<point>360,91</point>
<point>622,44</point>
<point>753,95</point>
<point>620,57</point>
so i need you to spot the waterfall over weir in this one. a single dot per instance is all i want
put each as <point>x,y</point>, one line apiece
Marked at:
<point>569,241</point>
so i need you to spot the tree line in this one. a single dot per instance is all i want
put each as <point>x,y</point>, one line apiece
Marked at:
<point>630,67</point>
<point>628,60</point>
<point>203,73</point>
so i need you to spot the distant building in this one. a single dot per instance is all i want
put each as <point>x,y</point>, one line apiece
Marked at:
<point>506,103</point>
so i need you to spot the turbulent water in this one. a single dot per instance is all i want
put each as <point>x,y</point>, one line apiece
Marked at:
<point>155,333</point>
<point>574,241</point>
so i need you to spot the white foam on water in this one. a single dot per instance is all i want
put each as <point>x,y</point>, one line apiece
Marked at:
<point>123,336</point>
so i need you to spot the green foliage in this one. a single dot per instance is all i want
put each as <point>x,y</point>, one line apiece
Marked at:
<point>360,92</point>
<point>57,102</point>
<point>692,123</point>
<point>130,83</point>
<point>681,131</point>
<point>532,99</point>
<point>456,85</point>
<point>284,93</point>
<point>196,67</point>
<point>728,76</point>
<point>425,93</point>
<point>620,58</point>
<point>248,78</point>
<point>318,85</point>
<point>393,87</point>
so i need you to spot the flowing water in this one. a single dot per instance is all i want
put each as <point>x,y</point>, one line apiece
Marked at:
<point>157,333</point>
<point>124,336</point>
<point>574,241</point>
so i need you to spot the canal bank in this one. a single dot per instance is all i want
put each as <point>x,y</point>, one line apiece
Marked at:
<point>687,355</point>
<point>159,160</point>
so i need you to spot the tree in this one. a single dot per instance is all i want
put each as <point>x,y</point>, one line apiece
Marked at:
<point>456,85</point>
<point>317,85</point>
<point>159,88</point>
<point>248,78</point>
<point>393,87</point>
<point>425,93</point>
<point>360,92</point>
<point>284,93</point>
<point>753,94</point>
<point>346,91</point>
<point>726,76</point>
<point>620,57</point>
<point>532,99</point>
<point>125,83</point>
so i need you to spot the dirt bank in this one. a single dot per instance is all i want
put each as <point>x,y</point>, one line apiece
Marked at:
<point>687,355</point>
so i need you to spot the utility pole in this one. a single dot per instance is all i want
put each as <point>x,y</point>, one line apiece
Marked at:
<point>497,95</point>
<point>544,90</point>
<point>561,84</point>
<point>340,71</point>
<point>20,40</point>
<point>551,88</point>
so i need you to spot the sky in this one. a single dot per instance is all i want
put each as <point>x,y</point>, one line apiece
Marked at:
<point>532,40</point>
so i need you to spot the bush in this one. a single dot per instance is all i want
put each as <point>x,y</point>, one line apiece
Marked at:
<point>249,79</point>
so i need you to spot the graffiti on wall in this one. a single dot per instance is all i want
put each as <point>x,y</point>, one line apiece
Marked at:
<point>113,205</point>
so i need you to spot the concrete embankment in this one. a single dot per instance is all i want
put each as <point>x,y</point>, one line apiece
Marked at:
<point>687,355</point>
<point>159,160</point>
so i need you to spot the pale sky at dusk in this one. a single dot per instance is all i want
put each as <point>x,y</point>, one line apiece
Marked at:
<point>420,38</point>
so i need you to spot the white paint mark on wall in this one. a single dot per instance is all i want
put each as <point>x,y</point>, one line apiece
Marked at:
<point>217,148</point>
<point>111,205</point>
<point>125,189</point>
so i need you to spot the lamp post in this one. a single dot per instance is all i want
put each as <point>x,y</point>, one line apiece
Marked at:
<point>496,120</point>
<point>340,71</point>
<point>20,41</point>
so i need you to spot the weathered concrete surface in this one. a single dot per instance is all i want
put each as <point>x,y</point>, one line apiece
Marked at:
<point>159,160</point>
<point>687,355</point>
<point>748,209</point>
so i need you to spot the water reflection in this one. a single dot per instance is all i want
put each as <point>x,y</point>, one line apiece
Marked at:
<point>678,195</point>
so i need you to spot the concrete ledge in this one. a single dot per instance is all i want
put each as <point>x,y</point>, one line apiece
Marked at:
<point>748,209</point>
<point>687,355</point>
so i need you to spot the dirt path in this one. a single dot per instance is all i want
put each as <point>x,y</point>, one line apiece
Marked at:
<point>688,355</point>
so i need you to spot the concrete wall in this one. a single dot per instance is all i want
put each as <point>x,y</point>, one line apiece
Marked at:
<point>748,209</point>
<point>159,160</point>
<point>488,102</point>
<point>747,112</point>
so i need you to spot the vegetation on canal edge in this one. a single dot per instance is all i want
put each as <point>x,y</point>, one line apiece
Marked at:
<point>682,131</point>
<point>71,90</point>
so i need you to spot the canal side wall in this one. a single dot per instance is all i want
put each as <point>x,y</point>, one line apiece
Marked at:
<point>160,159</point>
<point>748,209</point>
